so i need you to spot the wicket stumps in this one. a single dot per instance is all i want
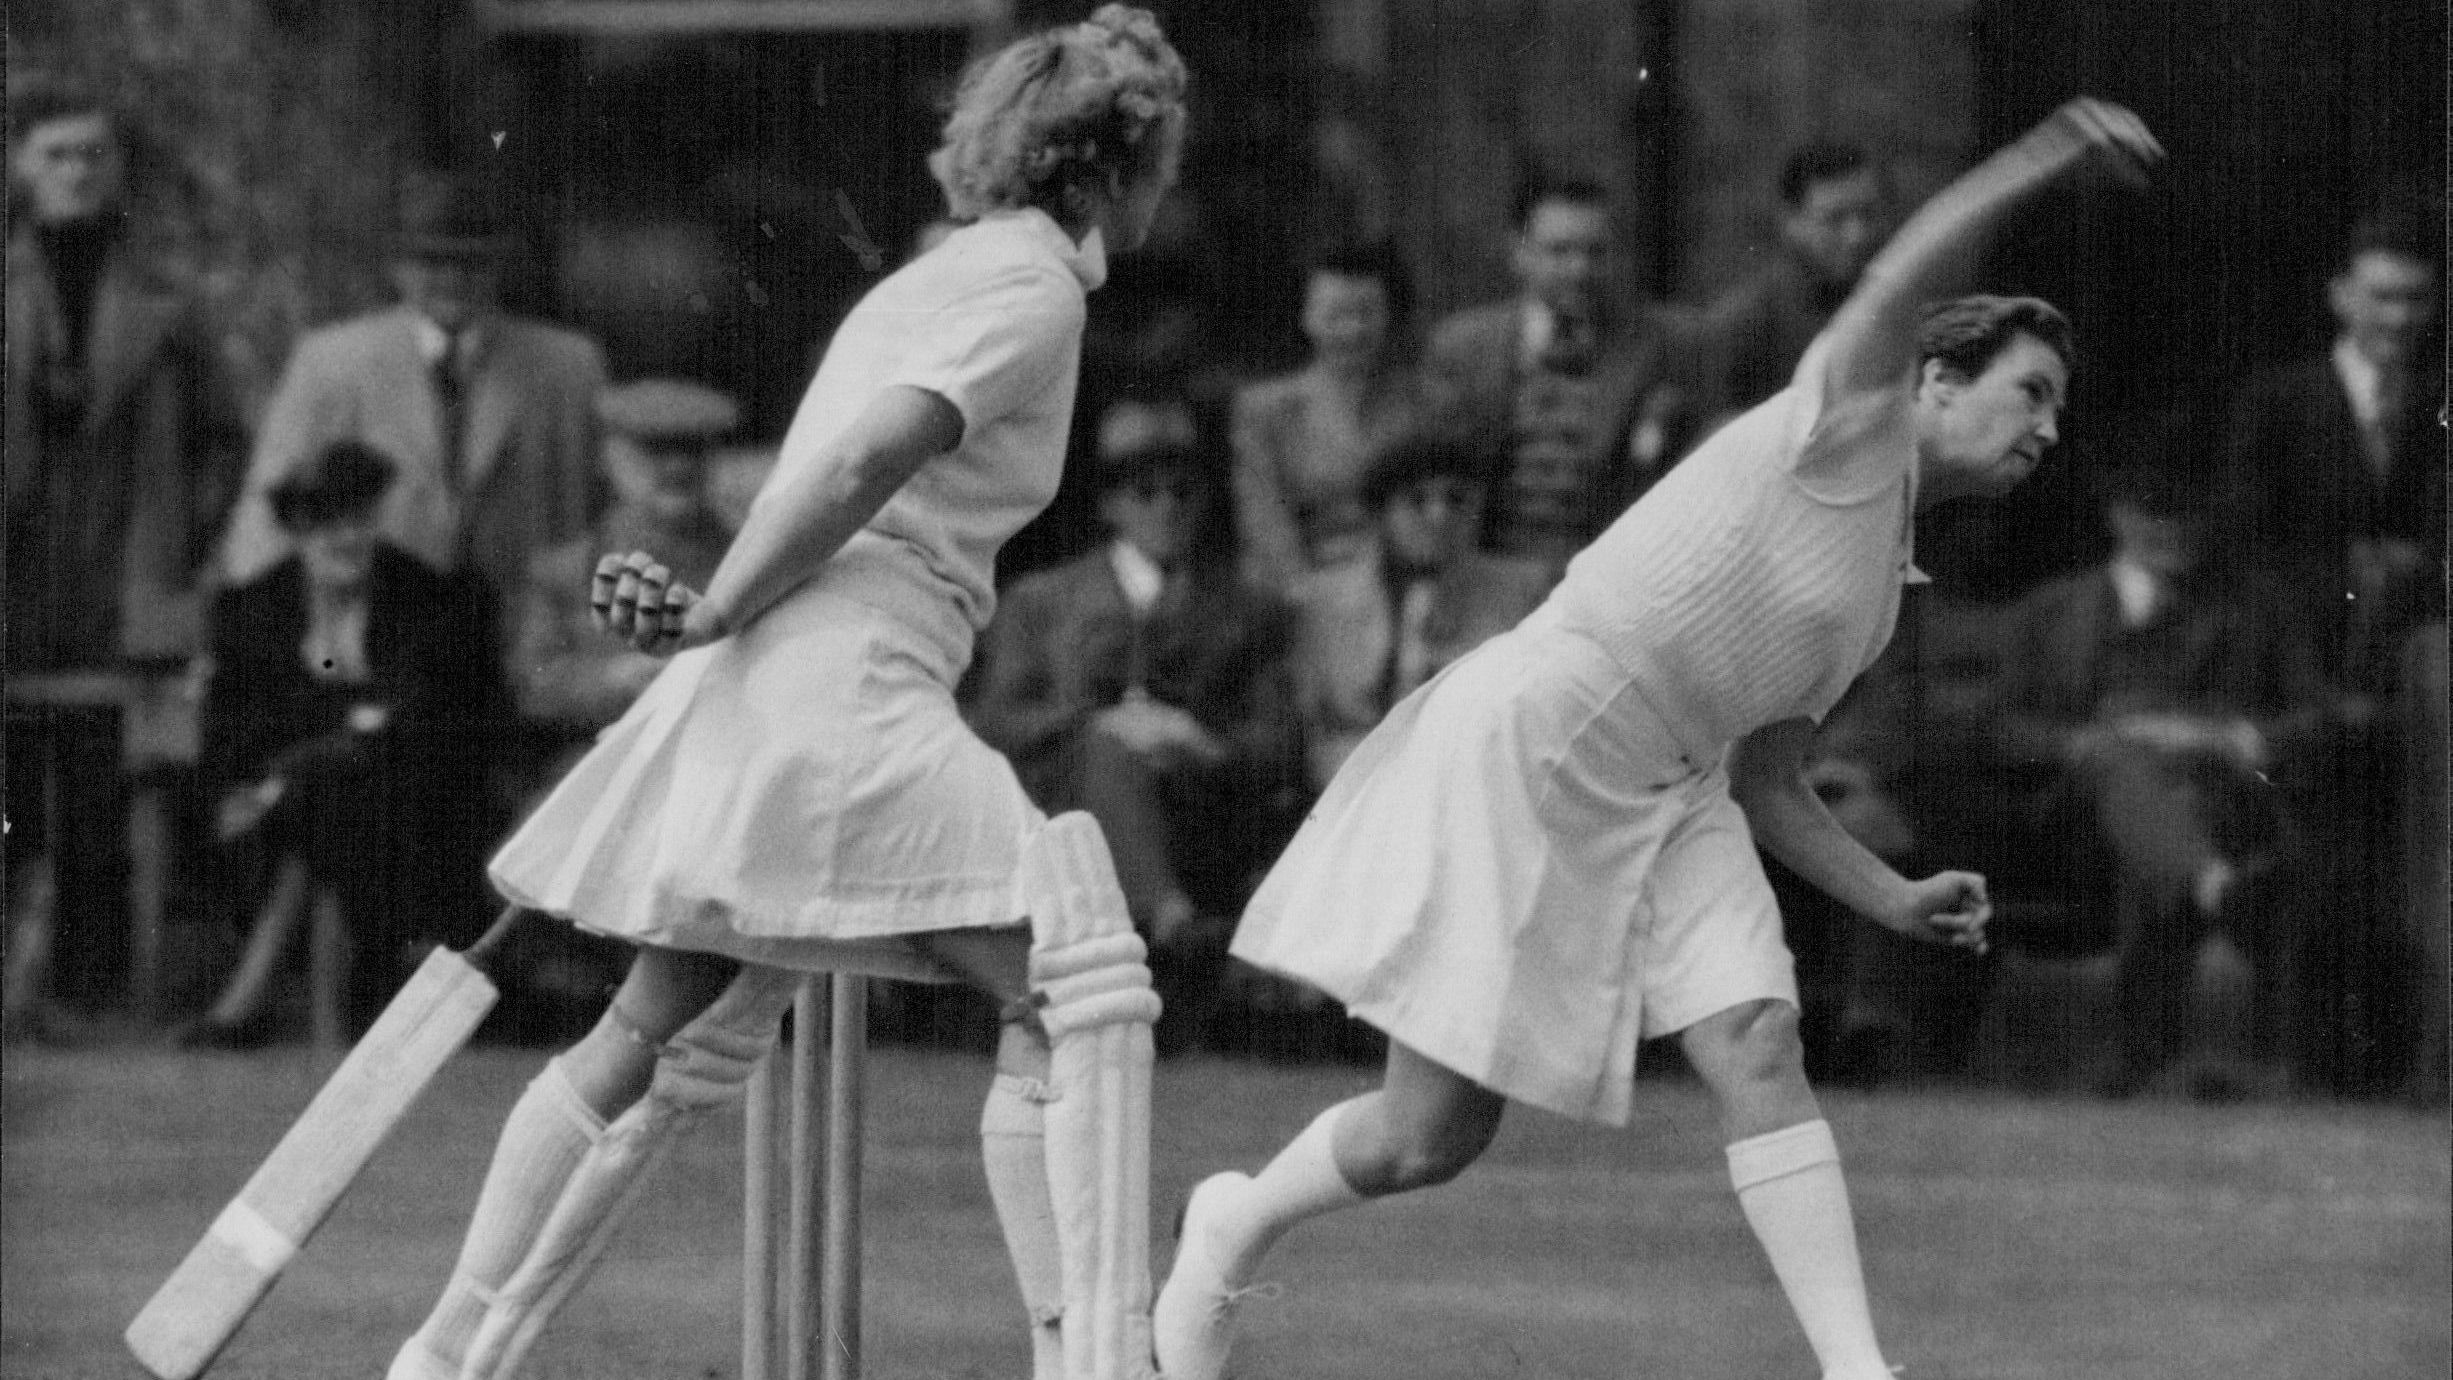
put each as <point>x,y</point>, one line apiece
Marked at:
<point>800,1291</point>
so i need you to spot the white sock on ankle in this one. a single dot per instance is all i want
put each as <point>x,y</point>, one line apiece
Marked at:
<point>1302,1182</point>
<point>1013,1148</point>
<point>547,1133</point>
<point>1790,1187</point>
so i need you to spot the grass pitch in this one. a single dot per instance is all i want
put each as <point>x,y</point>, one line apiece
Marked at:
<point>2006,1237</point>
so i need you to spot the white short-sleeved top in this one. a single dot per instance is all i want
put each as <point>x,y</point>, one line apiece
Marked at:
<point>1762,574</point>
<point>991,321</point>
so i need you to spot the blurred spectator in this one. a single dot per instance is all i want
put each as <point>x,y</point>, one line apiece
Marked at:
<point>1152,689</point>
<point>490,417</point>
<point>1303,441</point>
<point>1584,398</point>
<point>2341,456</point>
<point>123,449</point>
<point>1835,210</point>
<point>2342,465</point>
<point>2183,711</point>
<point>571,679</point>
<point>1370,631</point>
<point>353,714</point>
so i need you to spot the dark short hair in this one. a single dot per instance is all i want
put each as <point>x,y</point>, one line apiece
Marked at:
<point>39,98</point>
<point>2400,227</point>
<point>1378,260</point>
<point>1538,187</point>
<point>1824,160</point>
<point>1968,332</point>
<point>347,479</point>
<point>1417,456</point>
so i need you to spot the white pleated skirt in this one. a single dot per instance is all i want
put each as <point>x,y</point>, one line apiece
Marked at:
<point>1519,875</point>
<point>803,784</point>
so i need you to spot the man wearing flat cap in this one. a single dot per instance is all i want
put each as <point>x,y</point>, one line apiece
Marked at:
<point>660,435</point>
<point>490,418</point>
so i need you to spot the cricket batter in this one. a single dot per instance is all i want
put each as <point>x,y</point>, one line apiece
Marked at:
<point>1547,853</point>
<point>797,779</point>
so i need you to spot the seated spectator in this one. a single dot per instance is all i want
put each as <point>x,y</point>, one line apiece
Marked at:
<point>353,712</point>
<point>1151,688</point>
<point>1586,400</point>
<point>570,678</point>
<point>2180,707</point>
<point>1303,441</point>
<point>1372,630</point>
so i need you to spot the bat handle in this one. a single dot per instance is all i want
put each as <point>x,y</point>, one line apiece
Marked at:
<point>479,952</point>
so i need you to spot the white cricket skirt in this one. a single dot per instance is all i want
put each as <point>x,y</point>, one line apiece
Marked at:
<point>805,782</point>
<point>1520,874</point>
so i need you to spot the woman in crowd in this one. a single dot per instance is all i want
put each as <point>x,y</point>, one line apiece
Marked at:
<point>1303,441</point>
<point>798,776</point>
<point>1547,853</point>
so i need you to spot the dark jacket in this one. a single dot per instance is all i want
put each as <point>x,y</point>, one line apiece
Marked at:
<point>1065,645</point>
<point>430,659</point>
<point>121,465</point>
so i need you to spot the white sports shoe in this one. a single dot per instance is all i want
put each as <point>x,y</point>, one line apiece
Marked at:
<point>1192,1326</point>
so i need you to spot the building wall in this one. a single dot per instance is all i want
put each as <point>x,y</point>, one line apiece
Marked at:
<point>1757,77</point>
<point>1683,107</point>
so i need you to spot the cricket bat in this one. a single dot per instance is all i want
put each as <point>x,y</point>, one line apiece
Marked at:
<point>200,1307</point>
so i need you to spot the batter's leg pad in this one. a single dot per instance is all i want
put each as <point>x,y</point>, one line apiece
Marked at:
<point>700,1070</point>
<point>1092,992</point>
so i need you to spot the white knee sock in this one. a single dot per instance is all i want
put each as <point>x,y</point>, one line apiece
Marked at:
<point>547,1133</point>
<point>1789,1185</point>
<point>1302,1182</point>
<point>1013,1147</point>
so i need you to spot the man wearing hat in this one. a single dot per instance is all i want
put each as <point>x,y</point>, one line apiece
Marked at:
<point>570,678</point>
<point>351,721</point>
<point>1375,628</point>
<point>124,446</point>
<point>2180,709</point>
<point>1146,683</point>
<point>491,418</point>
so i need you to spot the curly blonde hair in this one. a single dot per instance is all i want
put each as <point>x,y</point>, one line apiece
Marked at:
<point>1081,109</point>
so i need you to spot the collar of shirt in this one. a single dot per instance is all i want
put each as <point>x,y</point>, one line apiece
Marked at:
<point>2139,591</point>
<point>1087,258</point>
<point>1138,575</point>
<point>433,342</point>
<point>2361,379</point>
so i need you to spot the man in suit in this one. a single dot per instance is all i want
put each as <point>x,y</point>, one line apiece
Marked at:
<point>353,718</point>
<point>1370,631</point>
<point>1584,399</point>
<point>491,418</point>
<point>2341,465</point>
<point>1145,682</point>
<point>2340,456</point>
<point>1835,210</point>
<point>2182,717</point>
<point>123,450</point>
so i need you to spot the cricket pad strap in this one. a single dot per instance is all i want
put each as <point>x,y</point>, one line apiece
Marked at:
<point>1092,990</point>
